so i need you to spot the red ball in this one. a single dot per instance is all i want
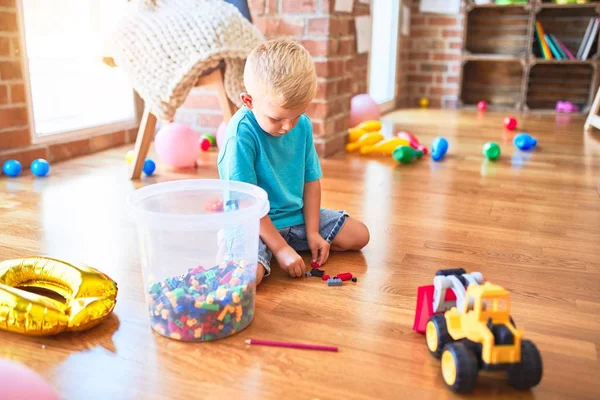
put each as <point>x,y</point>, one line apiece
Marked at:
<point>204,144</point>
<point>510,123</point>
<point>213,206</point>
<point>482,105</point>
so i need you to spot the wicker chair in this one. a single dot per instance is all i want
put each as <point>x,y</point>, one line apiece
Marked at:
<point>212,78</point>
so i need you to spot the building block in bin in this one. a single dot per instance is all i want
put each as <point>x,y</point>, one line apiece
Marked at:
<point>226,310</point>
<point>179,309</point>
<point>210,274</point>
<point>211,307</point>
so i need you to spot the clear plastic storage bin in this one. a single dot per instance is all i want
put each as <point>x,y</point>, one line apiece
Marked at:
<point>198,242</point>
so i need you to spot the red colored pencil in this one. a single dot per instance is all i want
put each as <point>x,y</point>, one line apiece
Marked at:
<point>292,345</point>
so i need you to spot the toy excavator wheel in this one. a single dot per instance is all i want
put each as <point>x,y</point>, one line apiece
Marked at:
<point>527,373</point>
<point>459,368</point>
<point>436,334</point>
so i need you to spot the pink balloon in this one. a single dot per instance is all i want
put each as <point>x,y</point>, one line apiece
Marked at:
<point>221,133</point>
<point>363,108</point>
<point>177,145</point>
<point>18,382</point>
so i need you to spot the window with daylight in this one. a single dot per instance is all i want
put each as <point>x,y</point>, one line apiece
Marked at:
<point>384,50</point>
<point>71,89</point>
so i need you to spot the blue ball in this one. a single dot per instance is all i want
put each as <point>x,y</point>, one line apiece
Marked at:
<point>524,141</point>
<point>12,168</point>
<point>149,167</point>
<point>40,167</point>
<point>439,147</point>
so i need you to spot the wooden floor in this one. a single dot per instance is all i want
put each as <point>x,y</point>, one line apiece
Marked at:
<point>529,222</point>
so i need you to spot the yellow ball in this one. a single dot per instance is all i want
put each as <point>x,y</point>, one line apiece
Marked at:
<point>129,156</point>
<point>424,102</point>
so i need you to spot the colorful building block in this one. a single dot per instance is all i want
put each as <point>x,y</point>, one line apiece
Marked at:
<point>334,282</point>
<point>317,272</point>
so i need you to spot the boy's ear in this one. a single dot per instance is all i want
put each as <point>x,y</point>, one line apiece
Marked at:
<point>246,99</point>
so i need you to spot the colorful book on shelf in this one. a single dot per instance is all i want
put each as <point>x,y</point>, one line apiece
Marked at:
<point>539,30</point>
<point>564,48</point>
<point>553,48</point>
<point>586,36</point>
<point>591,40</point>
<point>537,42</point>
<point>552,38</point>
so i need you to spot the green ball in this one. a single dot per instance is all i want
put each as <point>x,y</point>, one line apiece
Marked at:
<point>211,139</point>
<point>491,151</point>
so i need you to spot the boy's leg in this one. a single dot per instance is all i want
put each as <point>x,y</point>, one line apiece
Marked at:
<point>354,235</point>
<point>260,273</point>
<point>344,233</point>
<point>263,267</point>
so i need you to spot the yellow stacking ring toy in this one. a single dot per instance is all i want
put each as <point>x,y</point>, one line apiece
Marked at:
<point>89,296</point>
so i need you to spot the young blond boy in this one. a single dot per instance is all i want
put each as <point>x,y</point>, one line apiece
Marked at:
<point>269,143</point>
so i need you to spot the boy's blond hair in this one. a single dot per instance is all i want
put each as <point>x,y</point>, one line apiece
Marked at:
<point>284,70</point>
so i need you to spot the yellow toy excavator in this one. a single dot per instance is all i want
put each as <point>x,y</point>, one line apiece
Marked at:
<point>480,334</point>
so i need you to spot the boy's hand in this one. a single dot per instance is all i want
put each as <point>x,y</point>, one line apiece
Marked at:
<point>319,248</point>
<point>290,261</point>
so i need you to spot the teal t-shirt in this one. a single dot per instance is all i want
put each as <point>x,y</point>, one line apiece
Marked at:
<point>281,165</point>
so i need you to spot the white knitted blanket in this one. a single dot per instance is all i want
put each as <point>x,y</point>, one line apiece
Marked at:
<point>165,45</point>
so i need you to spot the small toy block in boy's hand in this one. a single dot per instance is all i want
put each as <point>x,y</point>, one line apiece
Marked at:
<point>314,265</point>
<point>334,282</point>
<point>317,272</point>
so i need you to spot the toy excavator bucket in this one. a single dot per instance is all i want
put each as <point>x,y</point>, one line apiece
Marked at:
<point>424,308</point>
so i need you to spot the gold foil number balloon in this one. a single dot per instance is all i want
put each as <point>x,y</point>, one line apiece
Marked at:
<point>89,295</point>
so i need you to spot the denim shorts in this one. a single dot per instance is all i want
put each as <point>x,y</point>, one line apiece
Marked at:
<point>330,223</point>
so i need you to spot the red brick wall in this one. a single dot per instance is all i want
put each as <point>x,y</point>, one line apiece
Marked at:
<point>360,62</point>
<point>434,58</point>
<point>330,39</point>
<point>13,109</point>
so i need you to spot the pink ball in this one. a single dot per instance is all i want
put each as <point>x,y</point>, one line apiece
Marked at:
<point>221,131</point>
<point>482,105</point>
<point>177,145</point>
<point>363,108</point>
<point>18,382</point>
<point>510,123</point>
